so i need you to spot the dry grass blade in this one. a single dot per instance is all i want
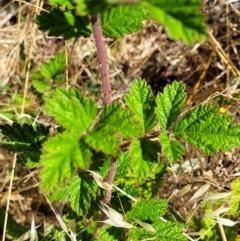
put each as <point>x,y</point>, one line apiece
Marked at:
<point>72,236</point>
<point>184,190</point>
<point>226,222</point>
<point>33,232</point>
<point>202,190</point>
<point>217,212</point>
<point>114,218</point>
<point>217,196</point>
<point>146,226</point>
<point>101,183</point>
<point>9,196</point>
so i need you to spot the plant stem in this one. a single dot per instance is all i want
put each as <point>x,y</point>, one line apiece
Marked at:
<point>102,58</point>
<point>106,88</point>
<point>107,198</point>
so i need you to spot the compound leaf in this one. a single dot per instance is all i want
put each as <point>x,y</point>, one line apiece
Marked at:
<point>152,209</point>
<point>62,155</point>
<point>182,19</point>
<point>55,67</point>
<point>170,103</point>
<point>143,164</point>
<point>70,109</point>
<point>173,149</point>
<point>83,194</point>
<point>141,102</point>
<point>120,20</point>
<point>64,23</point>
<point>208,130</point>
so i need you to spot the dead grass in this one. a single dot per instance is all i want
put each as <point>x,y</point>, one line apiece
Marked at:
<point>204,67</point>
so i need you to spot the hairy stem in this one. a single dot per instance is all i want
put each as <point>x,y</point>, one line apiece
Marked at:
<point>106,88</point>
<point>102,58</point>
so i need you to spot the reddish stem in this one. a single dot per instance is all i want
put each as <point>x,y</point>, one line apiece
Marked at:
<point>106,88</point>
<point>102,58</point>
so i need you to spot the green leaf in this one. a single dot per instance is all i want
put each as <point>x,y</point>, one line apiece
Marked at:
<point>122,120</point>
<point>64,23</point>
<point>141,102</point>
<point>105,235</point>
<point>169,231</point>
<point>62,155</point>
<point>55,67</point>
<point>182,19</point>
<point>165,231</point>
<point>173,149</point>
<point>103,170</point>
<point>150,149</point>
<point>142,163</point>
<point>14,230</point>
<point>40,85</point>
<point>120,20</point>
<point>83,194</point>
<point>70,109</point>
<point>25,140</point>
<point>170,104</point>
<point>89,7</point>
<point>208,130</point>
<point>103,139</point>
<point>113,122</point>
<point>152,209</point>
<point>123,166</point>
<point>59,194</point>
<point>65,3</point>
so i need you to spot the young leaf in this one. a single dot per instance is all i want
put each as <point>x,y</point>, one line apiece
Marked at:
<point>62,155</point>
<point>64,23</point>
<point>120,20</point>
<point>152,209</point>
<point>208,130</point>
<point>143,164</point>
<point>141,102</point>
<point>70,109</point>
<point>83,194</point>
<point>170,104</point>
<point>173,149</point>
<point>40,85</point>
<point>182,19</point>
<point>55,67</point>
